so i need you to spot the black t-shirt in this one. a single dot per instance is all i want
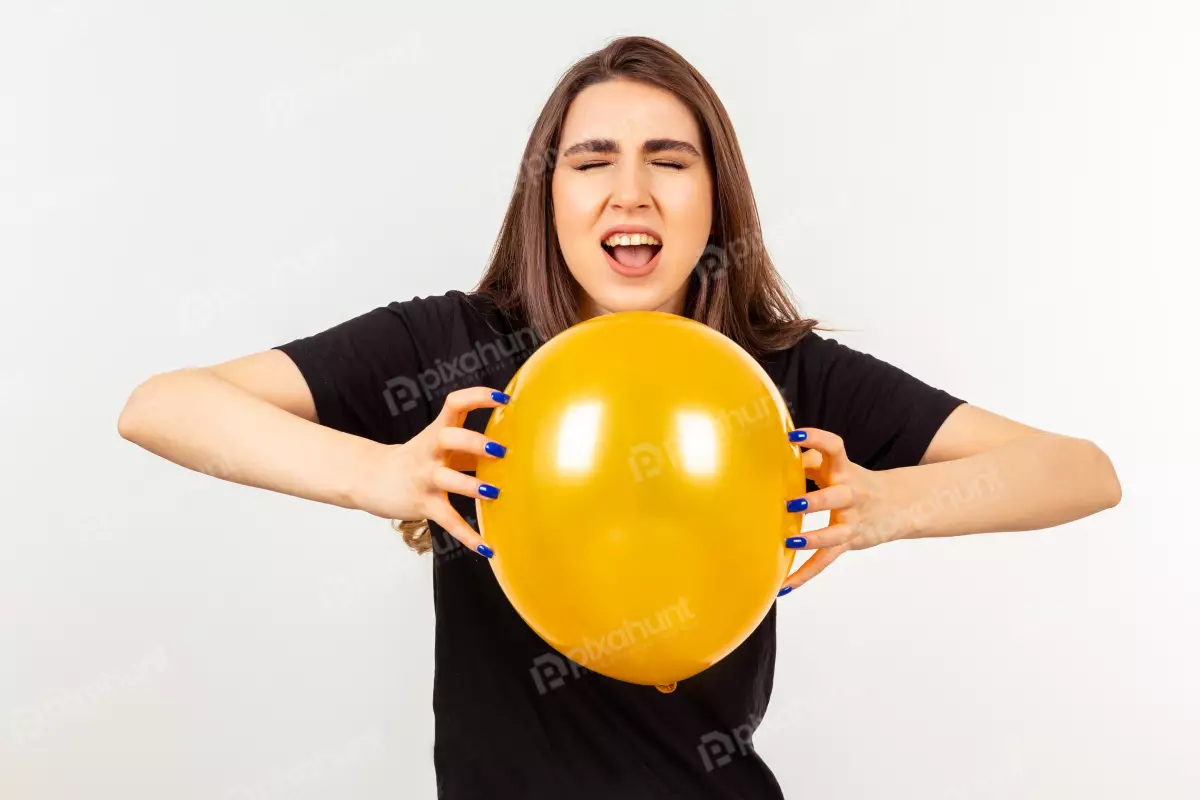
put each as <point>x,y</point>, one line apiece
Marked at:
<point>514,718</point>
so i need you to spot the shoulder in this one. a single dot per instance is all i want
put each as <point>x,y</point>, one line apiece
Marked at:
<point>457,339</point>
<point>886,415</point>
<point>454,311</point>
<point>449,307</point>
<point>811,354</point>
<point>828,370</point>
<point>816,354</point>
<point>814,346</point>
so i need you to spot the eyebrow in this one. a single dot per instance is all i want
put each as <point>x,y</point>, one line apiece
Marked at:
<point>649,146</point>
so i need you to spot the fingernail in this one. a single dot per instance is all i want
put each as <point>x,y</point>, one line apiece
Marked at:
<point>495,449</point>
<point>799,504</point>
<point>797,436</point>
<point>784,591</point>
<point>796,542</point>
<point>487,490</point>
<point>500,397</point>
<point>485,551</point>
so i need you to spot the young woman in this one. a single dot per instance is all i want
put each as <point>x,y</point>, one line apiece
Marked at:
<point>632,195</point>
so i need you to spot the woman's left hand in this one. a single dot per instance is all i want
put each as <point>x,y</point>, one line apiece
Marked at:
<point>861,515</point>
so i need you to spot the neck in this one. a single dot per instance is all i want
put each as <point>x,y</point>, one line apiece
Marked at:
<point>589,308</point>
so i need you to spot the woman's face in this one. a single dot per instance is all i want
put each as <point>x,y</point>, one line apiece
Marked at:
<point>631,156</point>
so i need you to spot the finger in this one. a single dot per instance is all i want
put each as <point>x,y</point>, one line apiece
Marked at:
<point>449,480</point>
<point>839,495</point>
<point>832,447</point>
<point>463,440</point>
<point>818,561</point>
<point>812,459</point>
<point>461,462</point>
<point>445,515</point>
<point>460,401</point>
<point>829,536</point>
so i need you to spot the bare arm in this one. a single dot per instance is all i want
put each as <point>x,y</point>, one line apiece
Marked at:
<point>250,421</point>
<point>253,421</point>
<point>984,472</point>
<point>981,473</point>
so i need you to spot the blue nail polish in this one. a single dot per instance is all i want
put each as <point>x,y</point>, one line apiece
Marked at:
<point>796,542</point>
<point>799,504</point>
<point>495,449</point>
<point>485,551</point>
<point>797,436</point>
<point>500,397</point>
<point>784,591</point>
<point>487,490</point>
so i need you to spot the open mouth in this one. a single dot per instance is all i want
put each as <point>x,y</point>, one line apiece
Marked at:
<point>632,256</point>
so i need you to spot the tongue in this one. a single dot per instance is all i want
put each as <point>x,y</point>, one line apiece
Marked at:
<point>634,255</point>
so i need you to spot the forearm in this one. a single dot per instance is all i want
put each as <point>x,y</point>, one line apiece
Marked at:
<point>196,419</point>
<point>1037,481</point>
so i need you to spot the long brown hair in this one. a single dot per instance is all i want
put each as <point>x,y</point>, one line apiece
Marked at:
<point>734,288</point>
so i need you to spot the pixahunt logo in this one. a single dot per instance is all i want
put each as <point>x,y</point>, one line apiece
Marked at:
<point>717,748</point>
<point>403,391</point>
<point>550,671</point>
<point>631,634</point>
<point>648,460</point>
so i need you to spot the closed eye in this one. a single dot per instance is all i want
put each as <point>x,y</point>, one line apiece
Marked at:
<point>671,164</point>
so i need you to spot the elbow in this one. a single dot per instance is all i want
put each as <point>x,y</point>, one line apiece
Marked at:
<point>1114,496</point>
<point>128,422</point>
<point>1110,484</point>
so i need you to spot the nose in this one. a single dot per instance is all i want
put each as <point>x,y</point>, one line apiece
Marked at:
<point>631,187</point>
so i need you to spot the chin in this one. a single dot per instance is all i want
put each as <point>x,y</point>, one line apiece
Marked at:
<point>627,298</point>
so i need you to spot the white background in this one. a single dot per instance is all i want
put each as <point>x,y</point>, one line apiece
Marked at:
<point>999,197</point>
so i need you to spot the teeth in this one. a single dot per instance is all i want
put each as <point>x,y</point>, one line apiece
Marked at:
<point>626,239</point>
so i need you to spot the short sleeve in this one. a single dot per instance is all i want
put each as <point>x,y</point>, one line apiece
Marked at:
<point>366,374</point>
<point>885,416</point>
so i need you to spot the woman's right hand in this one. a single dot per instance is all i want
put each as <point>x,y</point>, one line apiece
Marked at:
<point>410,481</point>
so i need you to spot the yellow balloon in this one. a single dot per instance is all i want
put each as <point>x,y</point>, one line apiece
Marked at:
<point>642,512</point>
